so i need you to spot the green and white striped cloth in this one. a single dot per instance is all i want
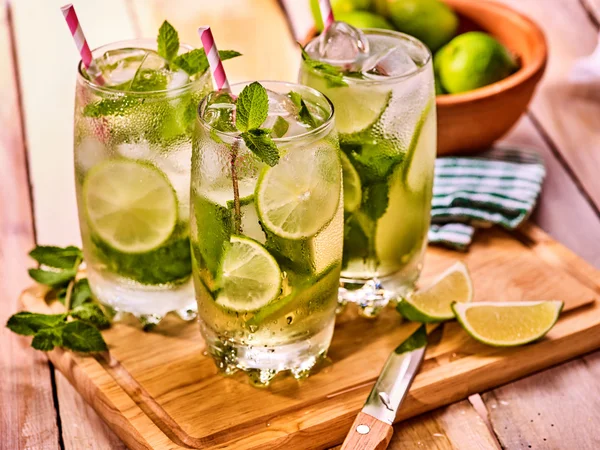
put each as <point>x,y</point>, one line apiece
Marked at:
<point>499,186</point>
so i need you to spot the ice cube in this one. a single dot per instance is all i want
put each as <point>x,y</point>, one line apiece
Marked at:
<point>220,111</point>
<point>342,44</point>
<point>280,105</point>
<point>120,66</point>
<point>154,74</point>
<point>395,62</point>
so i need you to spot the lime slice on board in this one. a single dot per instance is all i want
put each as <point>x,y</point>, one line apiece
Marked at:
<point>352,186</point>
<point>130,205</point>
<point>507,324</point>
<point>300,195</point>
<point>433,304</point>
<point>249,278</point>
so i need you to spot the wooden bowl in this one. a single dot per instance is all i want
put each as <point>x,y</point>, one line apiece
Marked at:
<point>474,120</point>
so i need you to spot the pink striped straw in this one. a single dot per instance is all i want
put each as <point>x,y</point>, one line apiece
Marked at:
<point>326,13</point>
<point>212,54</point>
<point>80,41</point>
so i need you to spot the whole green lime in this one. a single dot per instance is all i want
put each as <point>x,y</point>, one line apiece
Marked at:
<point>338,7</point>
<point>431,21</point>
<point>364,19</point>
<point>472,60</point>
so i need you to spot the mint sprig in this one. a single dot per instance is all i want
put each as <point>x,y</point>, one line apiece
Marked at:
<point>78,328</point>
<point>334,76</point>
<point>192,62</point>
<point>168,41</point>
<point>252,111</point>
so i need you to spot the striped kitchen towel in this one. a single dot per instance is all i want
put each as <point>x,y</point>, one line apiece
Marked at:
<point>497,187</point>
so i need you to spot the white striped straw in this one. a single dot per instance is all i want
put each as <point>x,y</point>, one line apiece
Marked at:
<point>80,42</point>
<point>214,60</point>
<point>326,13</point>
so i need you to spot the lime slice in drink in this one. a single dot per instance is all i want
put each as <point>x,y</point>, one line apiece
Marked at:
<point>356,107</point>
<point>130,205</point>
<point>418,174</point>
<point>300,195</point>
<point>352,186</point>
<point>507,324</point>
<point>434,303</point>
<point>249,278</point>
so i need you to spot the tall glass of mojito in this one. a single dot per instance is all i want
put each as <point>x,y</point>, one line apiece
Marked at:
<point>133,144</point>
<point>381,84</point>
<point>266,227</point>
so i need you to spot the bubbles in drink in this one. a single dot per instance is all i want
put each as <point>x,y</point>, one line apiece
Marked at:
<point>342,44</point>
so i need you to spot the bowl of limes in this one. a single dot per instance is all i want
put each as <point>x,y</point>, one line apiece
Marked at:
<point>487,58</point>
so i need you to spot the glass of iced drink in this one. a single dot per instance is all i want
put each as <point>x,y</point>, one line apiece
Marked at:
<point>133,145</point>
<point>381,84</point>
<point>266,227</point>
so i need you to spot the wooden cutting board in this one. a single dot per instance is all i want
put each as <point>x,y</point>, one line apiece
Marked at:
<point>160,391</point>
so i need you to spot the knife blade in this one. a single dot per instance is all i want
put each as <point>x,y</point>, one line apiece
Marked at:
<point>372,429</point>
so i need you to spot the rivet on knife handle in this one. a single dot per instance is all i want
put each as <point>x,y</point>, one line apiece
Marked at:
<point>368,433</point>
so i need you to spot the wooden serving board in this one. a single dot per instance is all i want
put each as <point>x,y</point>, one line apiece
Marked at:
<point>160,391</point>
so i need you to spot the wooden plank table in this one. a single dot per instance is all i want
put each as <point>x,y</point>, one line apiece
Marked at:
<point>556,409</point>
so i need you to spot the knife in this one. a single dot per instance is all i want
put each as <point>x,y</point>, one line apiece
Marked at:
<point>372,429</point>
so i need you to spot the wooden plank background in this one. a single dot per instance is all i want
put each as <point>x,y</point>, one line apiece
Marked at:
<point>560,405</point>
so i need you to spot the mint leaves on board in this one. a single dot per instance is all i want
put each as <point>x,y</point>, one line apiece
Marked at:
<point>78,328</point>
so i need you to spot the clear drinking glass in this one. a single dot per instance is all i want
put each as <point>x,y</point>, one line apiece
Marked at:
<point>133,147</point>
<point>267,277</point>
<point>387,130</point>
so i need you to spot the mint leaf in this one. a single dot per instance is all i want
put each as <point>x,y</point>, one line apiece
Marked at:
<point>92,314</point>
<point>228,54</point>
<point>82,337</point>
<point>306,116</point>
<point>192,62</point>
<point>195,61</point>
<point>375,199</point>
<point>333,75</point>
<point>81,293</point>
<point>260,143</point>
<point>28,323</point>
<point>252,107</point>
<point>168,41</point>
<point>53,279</point>
<point>296,98</point>
<point>48,338</point>
<point>280,127</point>
<point>57,257</point>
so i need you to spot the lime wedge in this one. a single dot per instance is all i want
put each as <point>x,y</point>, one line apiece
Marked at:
<point>352,186</point>
<point>250,277</point>
<point>507,324</point>
<point>433,304</point>
<point>300,195</point>
<point>130,205</point>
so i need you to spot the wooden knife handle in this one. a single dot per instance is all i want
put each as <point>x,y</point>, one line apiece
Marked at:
<point>368,433</point>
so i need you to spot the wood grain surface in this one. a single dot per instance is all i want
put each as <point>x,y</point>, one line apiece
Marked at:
<point>566,210</point>
<point>166,376</point>
<point>27,414</point>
